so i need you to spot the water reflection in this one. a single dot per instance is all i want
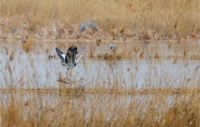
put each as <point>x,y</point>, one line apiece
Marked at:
<point>35,70</point>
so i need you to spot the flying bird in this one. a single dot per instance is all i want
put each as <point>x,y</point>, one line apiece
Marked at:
<point>68,59</point>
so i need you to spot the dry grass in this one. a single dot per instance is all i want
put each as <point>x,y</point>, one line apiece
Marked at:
<point>162,101</point>
<point>79,90</point>
<point>27,46</point>
<point>154,50</point>
<point>55,109</point>
<point>146,19</point>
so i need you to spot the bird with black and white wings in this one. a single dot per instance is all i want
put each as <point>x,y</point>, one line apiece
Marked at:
<point>69,59</point>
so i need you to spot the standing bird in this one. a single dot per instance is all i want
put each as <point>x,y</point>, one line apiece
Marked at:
<point>68,59</point>
<point>83,26</point>
<point>111,47</point>
<point>93,26</point>
<point>110,52</point>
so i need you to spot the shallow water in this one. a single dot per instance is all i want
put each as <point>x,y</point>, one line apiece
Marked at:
<point>35,70</point>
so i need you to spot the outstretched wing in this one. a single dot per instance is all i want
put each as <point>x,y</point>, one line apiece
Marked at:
<point>61,55</point>
<point>71,55</point>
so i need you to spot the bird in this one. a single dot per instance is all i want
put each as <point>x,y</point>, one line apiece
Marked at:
<point>93,26</point>
<point>111,47</point>
<point>68,59</point>
<point>83,26</point>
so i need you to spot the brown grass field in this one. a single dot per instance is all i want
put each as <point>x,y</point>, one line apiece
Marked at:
<point>157,34</point>
<point>135,19</point>
<point>106,110</point>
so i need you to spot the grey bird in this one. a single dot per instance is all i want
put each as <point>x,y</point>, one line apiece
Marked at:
<point>68,59</point>
<point>83,26</point>
<point>112,47</point>
<point>93,26</point>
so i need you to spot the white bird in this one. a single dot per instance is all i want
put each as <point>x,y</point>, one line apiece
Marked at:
<point>68,59</point>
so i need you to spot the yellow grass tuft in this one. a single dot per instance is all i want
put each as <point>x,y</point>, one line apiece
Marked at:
<point>28,45</point>
<point>91,54</point>
<point>12,56</point>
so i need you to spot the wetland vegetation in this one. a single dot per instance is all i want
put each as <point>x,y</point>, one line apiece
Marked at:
<point>151,79</point>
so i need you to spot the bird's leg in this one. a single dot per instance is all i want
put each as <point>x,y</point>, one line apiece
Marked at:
<point>67,71</point>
